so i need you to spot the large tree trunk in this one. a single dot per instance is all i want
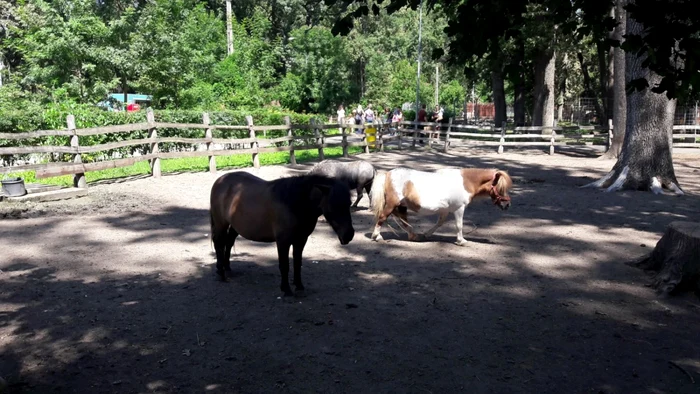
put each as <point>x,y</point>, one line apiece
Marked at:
<point>499,98</point>
<point>519,103</point>
<point>545,67</point>
<point>518,80</point>
<point>588,85</point>
<point>645,162</point>
<point>562,88</point>
<point>619,92</point>
<point>606,74</point>
<point>676,258</point>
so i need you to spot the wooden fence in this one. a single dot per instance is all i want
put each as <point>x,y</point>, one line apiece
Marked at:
<point>451,135</point>
<point>371,136</point>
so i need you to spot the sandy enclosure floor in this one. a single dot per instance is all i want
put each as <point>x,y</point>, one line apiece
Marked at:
<point>115,293</point>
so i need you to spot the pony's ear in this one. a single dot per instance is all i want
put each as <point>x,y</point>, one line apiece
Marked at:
<point>325,189</point>
<point>318,191</point>
<point>496,178</point>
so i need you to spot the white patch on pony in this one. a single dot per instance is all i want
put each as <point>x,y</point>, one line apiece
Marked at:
<point>619,181</point>
<point>675,189</point>
<point>656,187</point>
<point>439,191</point>
<point>600,182</point>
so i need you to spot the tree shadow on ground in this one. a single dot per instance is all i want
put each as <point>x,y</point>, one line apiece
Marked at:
<point>532,308</point>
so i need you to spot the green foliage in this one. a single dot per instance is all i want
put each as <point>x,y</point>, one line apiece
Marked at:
<point>78,51</point>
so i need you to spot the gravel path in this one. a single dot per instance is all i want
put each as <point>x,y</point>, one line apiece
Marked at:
<point>115,293</point>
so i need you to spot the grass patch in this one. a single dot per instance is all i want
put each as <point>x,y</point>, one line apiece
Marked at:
<point>188,164</point>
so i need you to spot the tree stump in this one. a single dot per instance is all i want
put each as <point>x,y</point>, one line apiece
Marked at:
<point>676,258</point>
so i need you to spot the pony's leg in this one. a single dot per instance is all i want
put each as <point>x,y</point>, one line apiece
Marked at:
<point>230,240</point>
<point>404,224</point>
<point>298,250</point>
<point>441,220</point>
<point>283,256</point>
<point>359,196</point>
<point>376,235</point>
<point>219,239</point>
<point>459,217</point>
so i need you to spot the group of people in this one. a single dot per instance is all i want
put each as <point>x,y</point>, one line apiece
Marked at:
<point>360,116</point>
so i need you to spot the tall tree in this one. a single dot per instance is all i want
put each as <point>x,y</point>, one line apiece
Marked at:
<point>620,82</point>
<point>645,161</point>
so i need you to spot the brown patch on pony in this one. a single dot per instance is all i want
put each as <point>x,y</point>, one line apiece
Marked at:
<point>478,181</point>
<point>411,198</point>
<point>391,199</point>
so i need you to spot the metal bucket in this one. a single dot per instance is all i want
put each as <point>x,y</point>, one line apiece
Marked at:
<point>13,187</point>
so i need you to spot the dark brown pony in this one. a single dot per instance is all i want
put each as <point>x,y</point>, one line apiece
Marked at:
<point>284,211</point>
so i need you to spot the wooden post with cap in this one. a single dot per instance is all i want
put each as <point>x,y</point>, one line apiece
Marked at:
<point>254,143</point>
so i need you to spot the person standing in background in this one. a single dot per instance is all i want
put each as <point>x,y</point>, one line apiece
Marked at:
<point>341,116</point>
<point>369,114</point>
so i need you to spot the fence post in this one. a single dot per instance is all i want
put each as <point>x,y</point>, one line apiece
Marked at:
<point>610,133</point>
<point>503,138</point>
<point>254,143</point>
<point>551,142</point>
<point>447,136</point>
<point>399,130</point>
<point>209,136</point>
<point>153,134</point>
<point>345,139</point>
<point>319,138</point>
<point>290,134</point>
<point>78,179</point>
<point>379,143</point>
<point>415,134</point>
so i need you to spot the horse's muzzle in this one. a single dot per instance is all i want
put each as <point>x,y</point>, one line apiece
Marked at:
<point>504,205</point>
<point>346,237</point>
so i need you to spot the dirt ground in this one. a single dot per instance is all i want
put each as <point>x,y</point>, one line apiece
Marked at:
<point>116,293</point>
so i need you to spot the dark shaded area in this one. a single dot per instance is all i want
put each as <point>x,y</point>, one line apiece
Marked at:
<point>390,317</point>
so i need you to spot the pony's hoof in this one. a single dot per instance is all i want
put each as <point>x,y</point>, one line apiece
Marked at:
<point>462,242</point>
<point>300,293</point>
<point>221,277</point>
<point>378,238</point>
<point>416,237</point>
<point>287,292</point>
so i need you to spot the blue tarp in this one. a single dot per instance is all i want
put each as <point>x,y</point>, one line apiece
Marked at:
<point>130,98</point>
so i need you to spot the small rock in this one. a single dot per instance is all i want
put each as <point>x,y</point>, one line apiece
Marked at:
<point>186,352</point>
<point>350,306</point>
<point>643,245</point>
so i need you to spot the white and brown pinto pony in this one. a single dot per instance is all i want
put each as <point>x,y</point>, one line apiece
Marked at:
<point>441,192</point>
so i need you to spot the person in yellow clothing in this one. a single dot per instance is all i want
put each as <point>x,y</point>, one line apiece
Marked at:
<point>370,130</point>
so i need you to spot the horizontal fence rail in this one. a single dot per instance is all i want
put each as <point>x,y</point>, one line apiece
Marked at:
<point>295,137</point>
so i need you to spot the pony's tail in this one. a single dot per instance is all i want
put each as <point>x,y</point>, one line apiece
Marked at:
<point>377,195</point>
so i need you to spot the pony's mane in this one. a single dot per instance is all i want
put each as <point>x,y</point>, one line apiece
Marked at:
<point>504,183</point>
<point>482,178</point>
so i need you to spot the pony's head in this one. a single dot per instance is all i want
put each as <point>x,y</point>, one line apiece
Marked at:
<point>334,201</point>
<point>498,189</point>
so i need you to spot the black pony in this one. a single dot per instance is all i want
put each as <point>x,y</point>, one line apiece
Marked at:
<point>284,211</point>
